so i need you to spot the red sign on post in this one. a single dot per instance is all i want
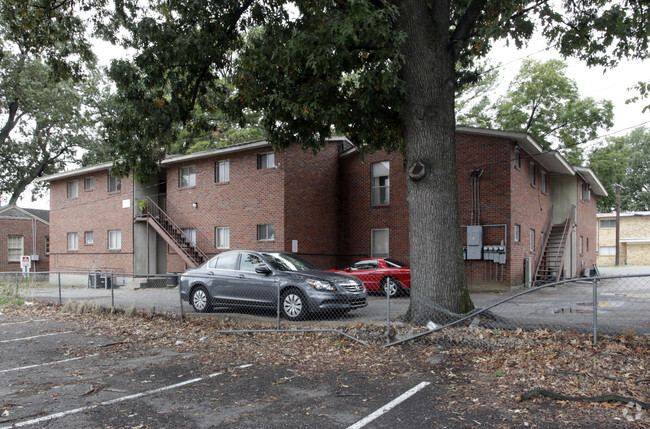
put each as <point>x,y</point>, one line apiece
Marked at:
<point>25,263</point>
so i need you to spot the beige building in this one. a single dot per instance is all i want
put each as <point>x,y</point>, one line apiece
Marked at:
<point>634,238</point>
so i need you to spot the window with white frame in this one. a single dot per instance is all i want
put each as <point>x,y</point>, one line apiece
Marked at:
<point>89,237</point>
<point>89,183</point>
<point>114,184</point>
<point>379,243</point>
<point>542,179</point>
<point>532,240</point>
<point>533,174</point>
<point>265,160</point>
<point>608,223</point>
<point>73,241</point>
<point>265,232</point>
<point>380,192</point>
<point>607,251</point>
<point>73,189</point>
<point>190,234</point>
<point>15,247</point>
<point>222,237</point>
<point>115,239</point>
<point>187,176</point>
<point>517,233</point>
<point>222,171</point>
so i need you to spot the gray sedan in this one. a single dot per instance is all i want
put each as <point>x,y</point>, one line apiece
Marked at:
<point>252,279</point>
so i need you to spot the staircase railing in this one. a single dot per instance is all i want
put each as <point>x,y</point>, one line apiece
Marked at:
<point>165,223</point>
<point>567,229</point>
<point>547,233</point>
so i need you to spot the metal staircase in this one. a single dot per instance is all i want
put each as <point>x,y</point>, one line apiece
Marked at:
<point>172,234</point>
<point>551,263</point>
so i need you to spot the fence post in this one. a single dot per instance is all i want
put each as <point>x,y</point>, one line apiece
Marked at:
<point>59,276</point>
<point>112,289</point>
<point>16,294</point>
<point>387,315</point>
<point>595,309</point>
<point>277,282</point>
<point>180,296</point>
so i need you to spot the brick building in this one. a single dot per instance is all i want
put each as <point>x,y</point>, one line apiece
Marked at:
<point>332,208</point>
<point>634,238</point>
<point>24,232</point>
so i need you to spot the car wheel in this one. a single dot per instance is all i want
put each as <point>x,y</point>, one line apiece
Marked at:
<point>391,286</point>
<point>293,305</point>
<point>201,300</point>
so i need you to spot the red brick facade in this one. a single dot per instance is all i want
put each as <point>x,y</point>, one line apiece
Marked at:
<point>320,205</point>
<point>26,230</point>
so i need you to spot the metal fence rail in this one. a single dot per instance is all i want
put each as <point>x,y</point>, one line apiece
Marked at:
<point>610,305</point>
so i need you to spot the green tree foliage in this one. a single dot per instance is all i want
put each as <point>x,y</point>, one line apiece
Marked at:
<point>43,54</point>
<point>624,161</point>
<point>544,102</point>
<point>384,73</point>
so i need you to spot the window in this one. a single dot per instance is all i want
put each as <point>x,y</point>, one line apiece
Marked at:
<point>47,244</point>
<point>187,176</point>
<point>249,262</point>
<point>586,192</point>
<point>587,244</point>
<point>607,251</point>
<point>222,171</point>
<point>114,184</point>
<point>115,239</point>
<point>73,189</point>
<point>532,240</point>
<point>222,237</point>
<point>543,181</point>
<point>517,233</point>
<point>265,160</point>
<point>608,223</point>
<point>372,264</point>
<point>580,245</point>
<point>265,232</point>
<point>89,183</point>
<point>380,184</point>
<point>190,234</point>
<point>88,237</point>
<point>517,157</point>
<point>227,262</point>
<point>73,241</point>
<point>379,243</point>
<point>533,174</point>
<point>15,247</point>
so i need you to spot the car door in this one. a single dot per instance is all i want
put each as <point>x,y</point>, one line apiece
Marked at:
<point>366,270</point>
<point>255,288</point>
<point>221,277</point>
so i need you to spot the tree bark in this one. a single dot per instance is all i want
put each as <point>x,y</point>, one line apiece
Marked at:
<point>437,269</point>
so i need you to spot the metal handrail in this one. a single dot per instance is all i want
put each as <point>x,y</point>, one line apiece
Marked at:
<point>548,226</point>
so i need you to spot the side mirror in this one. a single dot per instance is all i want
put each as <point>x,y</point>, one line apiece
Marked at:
<point>263,269</point>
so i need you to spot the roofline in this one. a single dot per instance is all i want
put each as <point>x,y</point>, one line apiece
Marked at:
<point>592,180</point>
<point>623,214</point>
<point>22,210</point>
<point>76,172</point>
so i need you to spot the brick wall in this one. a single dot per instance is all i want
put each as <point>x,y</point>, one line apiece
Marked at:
<point>631,227</point>
<point>252,197</point>
<point>94,210</point>
<point>23,227</point>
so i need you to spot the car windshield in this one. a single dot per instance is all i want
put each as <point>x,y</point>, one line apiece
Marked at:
<point>287,262</point>
<point>392,263</point>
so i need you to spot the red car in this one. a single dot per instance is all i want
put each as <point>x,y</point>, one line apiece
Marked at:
<point>379,274</point>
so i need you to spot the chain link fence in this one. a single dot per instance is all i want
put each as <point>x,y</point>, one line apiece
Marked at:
<point>258,300</point>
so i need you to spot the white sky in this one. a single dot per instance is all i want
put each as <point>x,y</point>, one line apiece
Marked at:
<point>595,82</point>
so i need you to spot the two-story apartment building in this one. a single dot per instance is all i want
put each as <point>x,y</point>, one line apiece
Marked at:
<point>24,232</point>
<point>634,238</point>
<point>332,208</point>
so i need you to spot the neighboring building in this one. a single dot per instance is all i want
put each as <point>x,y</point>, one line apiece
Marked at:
<point>24,232</point>
<point>332,208</point>
<point>634,238</point>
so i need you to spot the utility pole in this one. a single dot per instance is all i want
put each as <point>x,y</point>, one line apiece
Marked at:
<point>618,187</point>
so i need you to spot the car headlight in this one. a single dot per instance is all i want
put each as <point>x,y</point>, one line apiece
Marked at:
<point>320,284</point>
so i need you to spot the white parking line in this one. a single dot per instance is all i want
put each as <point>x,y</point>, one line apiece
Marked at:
<point>112,401</point>
<point>392,404</point>
<point>21,368</point>
<point>24,321</point>
<point>35,336</point>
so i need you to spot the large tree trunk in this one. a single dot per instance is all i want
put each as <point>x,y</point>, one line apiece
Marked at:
<point>437,267</point>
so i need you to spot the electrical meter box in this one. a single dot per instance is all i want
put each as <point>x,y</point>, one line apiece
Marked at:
<point>474,241</point>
